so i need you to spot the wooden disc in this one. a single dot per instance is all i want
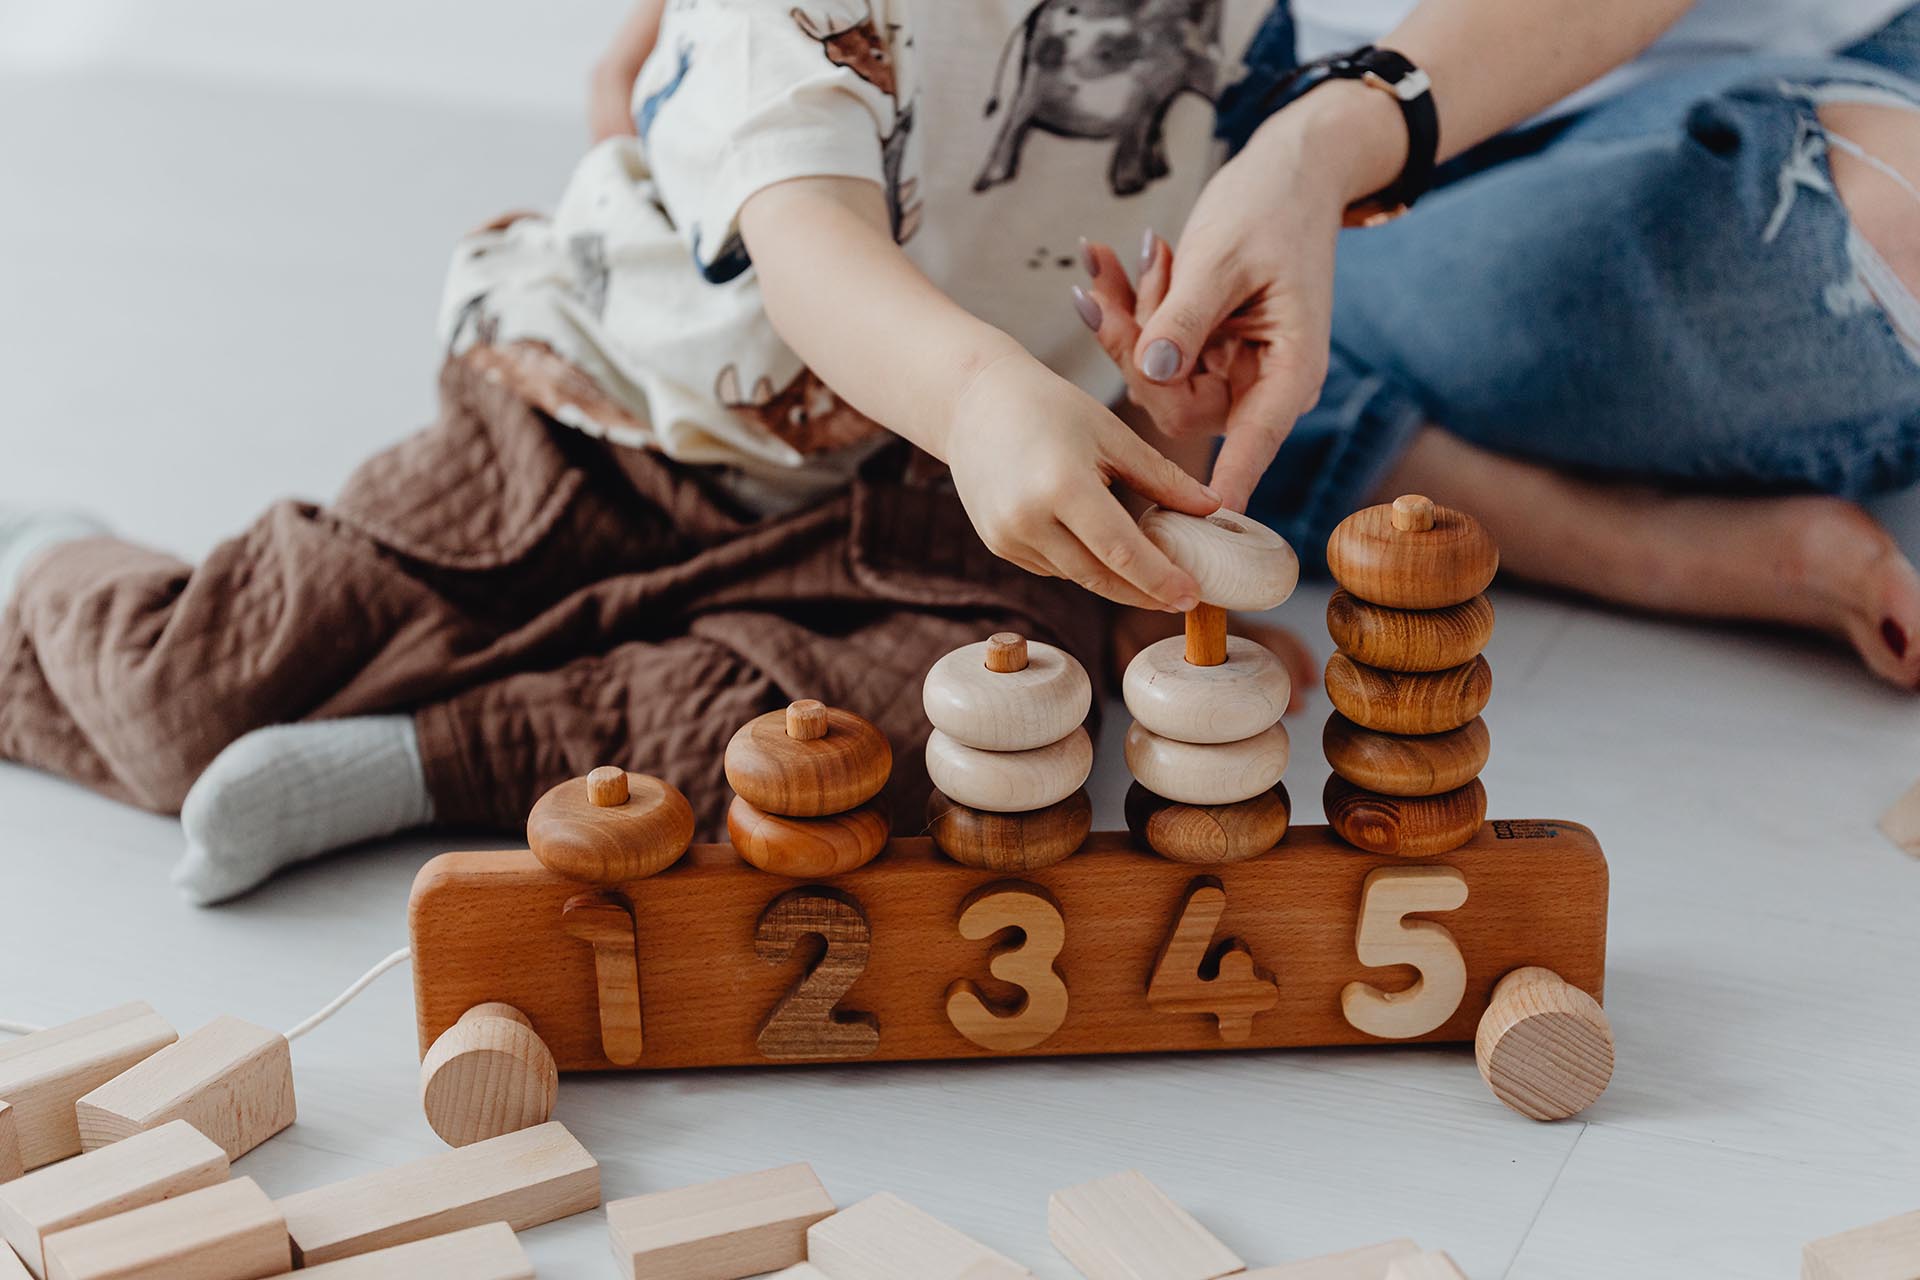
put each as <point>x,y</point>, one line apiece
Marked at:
<point>1408,702</point>
<point>990,710</point>
<point>605,844</point>
<point>1238,562</point>
<point>1398,764</point>
<point>1412,568</point>
<point>841,769</point>
<point>1235,699</point>
<point>1544,1046</point>
<point>1212,833</point>
<point>1409,639</point>
<point>1207,773</point>
<point>807,847</point>
<point>1009,781</point>
<point>1009,841</point>
<point>488,1074</point>
<point>1405,826</point>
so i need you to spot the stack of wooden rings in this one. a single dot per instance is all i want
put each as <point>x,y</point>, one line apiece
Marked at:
<point>1406,741</point>
<point>1008,754</point>
<point>806,784</point>
<point>1207,748</point>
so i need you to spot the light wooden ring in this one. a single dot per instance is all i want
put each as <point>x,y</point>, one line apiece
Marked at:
<point>1409,639</point>
<point>486,1075</point>
<point>1412,568</point>
<point>1404,826</point>
<point>1396,764</point>
<point>1238,562</point>
<point>605,844</point>
<point>808,777</point>
<point>1408,702</point>
<point>1010,781</point>
<point>1245,695</point>
<point>1020,710</point>
<point>1015,842</point>
<point>804,848</point>
<point>1207,773</point>
<point>1544,1046</point>
<point>1209,834</point>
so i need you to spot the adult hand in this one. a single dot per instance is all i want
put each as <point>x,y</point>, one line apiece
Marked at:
<point>610,85</point>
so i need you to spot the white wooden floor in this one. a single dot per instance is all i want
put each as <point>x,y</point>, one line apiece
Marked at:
<point>222,228</point>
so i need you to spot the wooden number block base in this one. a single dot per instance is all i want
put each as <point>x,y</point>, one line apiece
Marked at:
<point>489,927</point>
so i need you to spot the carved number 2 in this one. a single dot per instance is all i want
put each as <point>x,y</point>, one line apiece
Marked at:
<point>806,1022</point>
<point>1386,937</point>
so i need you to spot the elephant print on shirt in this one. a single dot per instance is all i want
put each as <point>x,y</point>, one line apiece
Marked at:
<point>1104,69</point>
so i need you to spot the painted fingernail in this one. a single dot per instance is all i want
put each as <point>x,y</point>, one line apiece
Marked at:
<point>1087,260</point>
<point>1186,604</point>
<point>1895,635</point>
<point>1162,362</point>
<point>1089,309</point>
<point>1147,245</point>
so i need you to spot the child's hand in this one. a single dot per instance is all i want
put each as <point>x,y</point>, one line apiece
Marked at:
<point>1032,457</point>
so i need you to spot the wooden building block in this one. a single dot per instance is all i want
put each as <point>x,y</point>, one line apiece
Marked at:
<point>1887,1250</point>
<point>723,1230</point>
<point>11,1165</point>
<point>1430,1264</point>
<point>1369,1263</point>
<point>43,1074</point>
<point>1123,1227</point>
<point>491,1252</point>
<point>800,1271</point>
<point>523,1179</point>
<point>149,1167</point>
<point>488,926</point>
<point>885,1238</point>
<point>231,1080</point>
<point>226,1232</point>
<point>11,1268</point>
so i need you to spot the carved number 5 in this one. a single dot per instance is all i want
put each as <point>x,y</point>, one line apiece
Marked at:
<point>1028,965</point>
<point>806,1022</point>
<point>1385,937</point>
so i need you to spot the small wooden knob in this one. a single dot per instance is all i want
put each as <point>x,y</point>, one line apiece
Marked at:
<point>1006,652</point>
<point>576,835</point>
<point>1015,842</point>
<point>1544,1046</point>
<point>807,719</point>
<point>1209,834</point>
<point>488,1074</point>
<point>1404,826</point>
<point>607,787</point>
<point>1413,513</point>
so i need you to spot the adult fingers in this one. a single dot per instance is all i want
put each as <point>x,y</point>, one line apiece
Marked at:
<point>1156,272</point>
<point>1105,529</point>
<point>1259,421</point>
<point>1205,286</point>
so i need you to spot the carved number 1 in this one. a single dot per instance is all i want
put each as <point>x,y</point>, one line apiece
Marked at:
<point>807,1022</point>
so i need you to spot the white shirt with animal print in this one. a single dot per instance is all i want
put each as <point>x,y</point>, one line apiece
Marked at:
<point>1001,132</point>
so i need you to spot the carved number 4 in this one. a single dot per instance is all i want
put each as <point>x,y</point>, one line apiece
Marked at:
<point>1386,937</point>
<point>1234,991</point>
<point>807,1023</point>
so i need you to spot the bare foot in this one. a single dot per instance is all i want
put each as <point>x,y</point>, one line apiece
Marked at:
<point>1806,561</point>
<point>1135,629</point>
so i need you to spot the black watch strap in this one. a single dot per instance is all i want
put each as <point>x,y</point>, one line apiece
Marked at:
<point>1393,74</point>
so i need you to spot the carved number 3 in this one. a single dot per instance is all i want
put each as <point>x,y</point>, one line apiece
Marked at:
<point>1385,937</point>
<point>806,1022</point>
<point>1028,965</point>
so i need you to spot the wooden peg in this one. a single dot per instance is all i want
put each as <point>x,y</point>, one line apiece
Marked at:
<point>1544,1046</point>
<point>490,1252</point>
<point>1403,702</point>
<point>231,1080</point>
<point>1209,834</point>
<point>11,1165</point>
<point>42,1075</point>
<point>1027,964</point>
<point>1887,1250</point>
<point>1010,781</point>
<point>146,1168</point>
<point>607,787</point>
<point>1006,652</point>
<point>1395,764</point>
<point>885,1238</point>
<point>1041,701</point>
<point>741,1226</point>
<point>1015,842</point>
<point>1404,826</point>
<point>1413,513</point>
<point>808,1023</point>
<point>806,719</point>
<point>1431,1264</point>
<point>1244,693</point>
<point>486,1075</point>
<point>806,848</point>
<point>839,769</point>
<point>1239,989</point>
<point>1409,639</point>
<point>1238,562</point>
<point>1206,635</point>
<point>231,1231</point>
<point>1124,1228</point>
<point>604,921</point>
<point>1451,560</point>
<point>577,830</point>
<point>522,1179</point>
<point>1216,773</point>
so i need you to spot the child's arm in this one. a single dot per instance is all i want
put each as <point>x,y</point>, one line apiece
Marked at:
<point>1032,455</point>
<point>610,86</point>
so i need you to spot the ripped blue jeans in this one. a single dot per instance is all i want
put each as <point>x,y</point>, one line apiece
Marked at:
<point>1664,288</point>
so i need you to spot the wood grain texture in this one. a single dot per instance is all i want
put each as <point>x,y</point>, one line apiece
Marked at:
<point>1006,652</point>
<point>1018,710</point>
<point>1026,963</point>
<point>1544,1047</point>
<point>1009,841</point>
<point>42,1075</point>
<point>1409,639</point>
<point>1244,694</point>
<point>603,844</point>
<point>1888,1250</point>
<point>1398,764</point>
<point>1123,1227</point>
<point>231,1079</point>
<point>144,1169</point>
<point>1207,773</point>
<point>604,921</point>
<point>488,1074</point>
<point>885,1238</point>
<point>801,848</point>
<point>1204,638</point>
<point>723,1230</point>
<point>808,1023</point>
<point>806,719</point>
<point>1408,702</point>
<point>485,926</point>
<point>231,1231</point>
<point>607,787</point>
<point>1385,938</point>
<point>11,1165</point>
<point>1238,562</point>
<point>1367,1263</point>
<point>808,778</point>
<point>1209,834</point>
<point>1404,826</point>
<point>522,1179</point>
<point>1234,993</point>
<point>1010,781</point>
<point>1412,569</point>
<point>490,1252</point>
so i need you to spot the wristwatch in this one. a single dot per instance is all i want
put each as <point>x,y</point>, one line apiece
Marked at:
<point>1408,85</point>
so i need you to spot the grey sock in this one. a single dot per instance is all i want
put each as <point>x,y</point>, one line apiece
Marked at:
<point>25,534</point>
<point>286,793</point>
